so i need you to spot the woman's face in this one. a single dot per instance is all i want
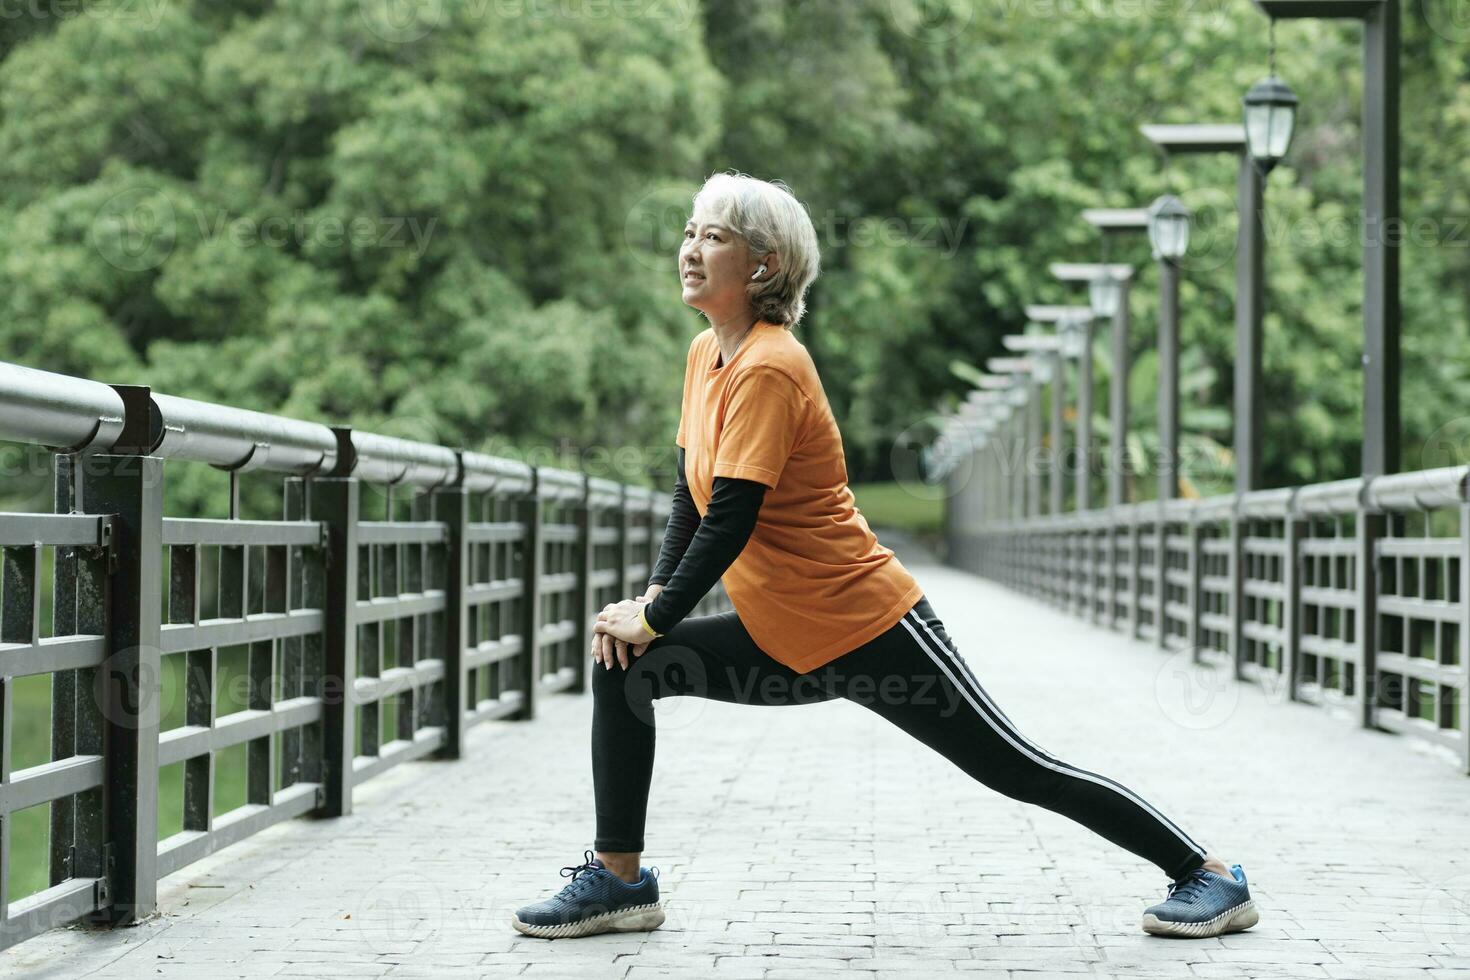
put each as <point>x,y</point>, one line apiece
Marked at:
<point>715,267</point>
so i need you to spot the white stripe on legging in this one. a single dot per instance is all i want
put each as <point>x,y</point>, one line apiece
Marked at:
<point>1019,741</point>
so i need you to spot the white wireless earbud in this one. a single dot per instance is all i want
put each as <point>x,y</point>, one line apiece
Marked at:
<point>759,272</point>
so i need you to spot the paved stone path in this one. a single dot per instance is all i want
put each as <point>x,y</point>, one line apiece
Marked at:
<point>807,841</point>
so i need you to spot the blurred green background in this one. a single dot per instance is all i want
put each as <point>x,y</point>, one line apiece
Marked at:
<point>457,221</point>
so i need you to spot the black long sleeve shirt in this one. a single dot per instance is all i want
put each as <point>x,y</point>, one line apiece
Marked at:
<point>696,551</point>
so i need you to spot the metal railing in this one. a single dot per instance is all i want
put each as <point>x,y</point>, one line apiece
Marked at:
<point>1352,594</point>
<point>366,643</point>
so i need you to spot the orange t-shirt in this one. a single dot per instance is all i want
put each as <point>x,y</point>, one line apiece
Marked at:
<point>812,582</point>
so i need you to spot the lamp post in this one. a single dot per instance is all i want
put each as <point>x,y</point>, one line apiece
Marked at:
<point>1016,397</point>
<point>1076,336</point>
<point>1381,218</point>
<point>1249,253</point>
<point>1046,368</point>
<point>1168,232</point>
<point>1111,223</point>
<point>987,404</point>
<point>1108,288</point>
<point>1081,349</point>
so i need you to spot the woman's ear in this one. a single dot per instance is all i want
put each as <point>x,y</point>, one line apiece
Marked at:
<point>772,263</point>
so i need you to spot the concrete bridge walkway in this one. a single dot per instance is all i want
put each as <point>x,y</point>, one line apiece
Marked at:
<point>808,841</point>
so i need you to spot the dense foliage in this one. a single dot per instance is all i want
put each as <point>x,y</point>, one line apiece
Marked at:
<point>456,219</point>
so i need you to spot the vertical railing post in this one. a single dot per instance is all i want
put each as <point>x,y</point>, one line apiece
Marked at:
<point>76,821</point>
<point>1196,563</point>
<point>1462,649</point>
<point>1161,578</point>
<point>1291,581</point>
<point>1371,526</point>
<point>130,686</point>
<point>582,555</point>
<point>624,523</point>
<point>650,544</point>
<point>1112,560</point>
<point>529,513</point>
<point>1238,529</point>
<point>336,502</point>
<point>451,506</point>
<point>1135,564</point>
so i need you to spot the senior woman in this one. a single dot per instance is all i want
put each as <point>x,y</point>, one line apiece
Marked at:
<point>822,610</point>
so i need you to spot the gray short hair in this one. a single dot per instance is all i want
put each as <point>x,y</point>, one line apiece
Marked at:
<point>770,219</point>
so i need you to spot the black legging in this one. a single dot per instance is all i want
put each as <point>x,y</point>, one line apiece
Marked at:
<point>911,675</point>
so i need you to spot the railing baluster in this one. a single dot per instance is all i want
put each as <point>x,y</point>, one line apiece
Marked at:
<point>130,487</point>
<point>528,509</point>
<point>336,501</point>
<point>451,505</point>
<point>1239,527</point>
<point>64,686</point>
<point>1291,601</point>
<point>1196,562</point>
<point>1462,647</point>
<point>582,557</point>
<point>1371,526</point>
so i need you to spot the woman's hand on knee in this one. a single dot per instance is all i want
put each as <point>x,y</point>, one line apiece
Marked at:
<point>622,633</point>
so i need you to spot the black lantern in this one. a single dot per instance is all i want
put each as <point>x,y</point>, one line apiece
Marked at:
<point>1270,118</point>
<point>1168,227</point>
<point>1103,294</point>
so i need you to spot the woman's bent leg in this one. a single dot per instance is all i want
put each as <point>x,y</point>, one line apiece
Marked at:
<point>703,656</point>
<point>961,721</point>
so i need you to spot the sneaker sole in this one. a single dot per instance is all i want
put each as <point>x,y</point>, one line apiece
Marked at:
<point>635,918</point>
<point>1242,916</point>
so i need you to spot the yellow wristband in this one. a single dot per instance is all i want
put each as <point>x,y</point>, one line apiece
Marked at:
<point>644,620</point>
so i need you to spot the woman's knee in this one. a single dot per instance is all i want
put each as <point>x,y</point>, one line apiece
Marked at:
<point>663,670</point>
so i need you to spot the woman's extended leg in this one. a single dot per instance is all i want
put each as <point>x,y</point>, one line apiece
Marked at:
<point>703,656</point>
<point>942,705</point>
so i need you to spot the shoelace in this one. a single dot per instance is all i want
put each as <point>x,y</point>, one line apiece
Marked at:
<point>1188,887</point>
<point>580,874</point>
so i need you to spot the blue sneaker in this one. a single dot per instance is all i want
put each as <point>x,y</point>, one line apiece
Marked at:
<point>1202,904</point>
<point>595,900</point>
